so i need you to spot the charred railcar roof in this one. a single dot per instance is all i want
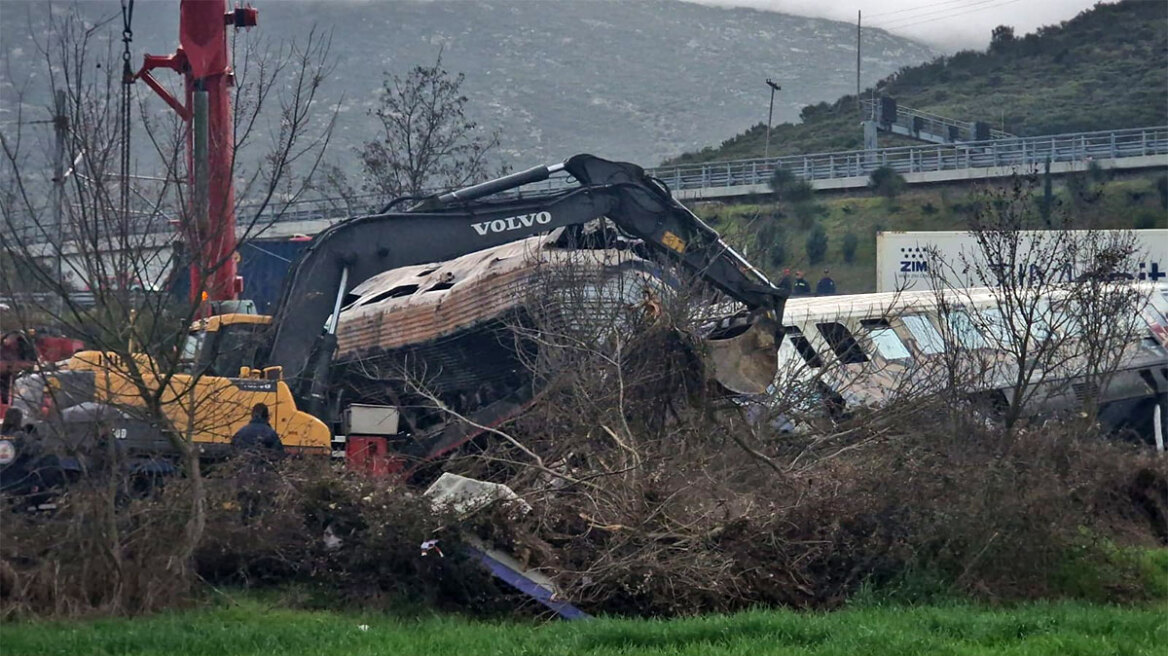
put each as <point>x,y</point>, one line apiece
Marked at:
<point>417,304</point>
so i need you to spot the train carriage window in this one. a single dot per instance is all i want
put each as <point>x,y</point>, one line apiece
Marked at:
<point>965,332</point>
<point>804,347</point>
<point>886,341</point>
<point>1061,318</point>
<point>999,332</point>
<point>1044,320</point>
<point>1030,323</point>
<point>842,343</point>
<point>929,341</point>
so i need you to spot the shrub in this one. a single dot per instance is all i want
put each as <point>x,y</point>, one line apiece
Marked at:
<point>1097,173</point>
<point>1148,219</point>
<point>816,244</point>
<point>799,191</point>
<point>848,247</point>
<point>805,214</point>
<point>887,181</point>
<point>772,240</point>
<point>1083,188</point>
<point>780,180</point>
<point>1162,189</point>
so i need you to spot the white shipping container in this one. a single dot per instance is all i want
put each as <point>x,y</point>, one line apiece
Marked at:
<point>903,259</point>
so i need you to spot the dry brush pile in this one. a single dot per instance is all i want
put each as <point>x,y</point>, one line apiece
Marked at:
<point>652,498</point>
<point>648,495</point>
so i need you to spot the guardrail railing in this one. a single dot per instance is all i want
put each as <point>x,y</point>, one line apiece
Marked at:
<point>1022,152</point>
<point>1017,151</point>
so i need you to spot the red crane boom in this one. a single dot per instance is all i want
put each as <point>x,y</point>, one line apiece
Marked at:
<point>202,59</point>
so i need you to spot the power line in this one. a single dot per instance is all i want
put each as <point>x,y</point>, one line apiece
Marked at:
<point>948,11</point>
<point>960,13</point>
<point>931,5</point>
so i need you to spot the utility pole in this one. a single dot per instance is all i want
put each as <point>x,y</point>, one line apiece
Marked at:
<point>766,153</point>
<point>61,131</point>
<point>858,15</point>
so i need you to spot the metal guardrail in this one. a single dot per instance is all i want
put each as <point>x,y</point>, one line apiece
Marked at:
<point>1015,152</point>
<point>1022,152</point>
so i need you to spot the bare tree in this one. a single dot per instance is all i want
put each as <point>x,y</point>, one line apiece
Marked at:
<point>427,142</point>
<point>96,259</point>
<point>1062,313</point>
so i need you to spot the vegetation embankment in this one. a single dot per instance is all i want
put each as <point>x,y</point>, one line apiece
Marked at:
<point>252,627</point>
<point>643,504</point>
<point>646,492</point>
<point>775,233</point>
<point>1102,70</point>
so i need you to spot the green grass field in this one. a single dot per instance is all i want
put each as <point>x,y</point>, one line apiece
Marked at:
<point>251,627</point>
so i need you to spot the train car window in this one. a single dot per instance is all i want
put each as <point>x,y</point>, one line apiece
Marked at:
<point>999,332</point>
<point>842,343</point>
<point>1032,322</point>
<point>1061,318</point>
<point>929,341</point>
<point>888,344</point>
<point>804,347</point>
<point>965,332</point>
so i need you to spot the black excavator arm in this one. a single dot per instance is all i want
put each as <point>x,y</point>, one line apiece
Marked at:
<point>449,225</point>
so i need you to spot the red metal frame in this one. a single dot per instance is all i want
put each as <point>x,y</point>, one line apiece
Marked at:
<point>202,59</point>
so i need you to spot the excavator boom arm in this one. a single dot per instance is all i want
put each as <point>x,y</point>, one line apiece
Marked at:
<point>447,226</point>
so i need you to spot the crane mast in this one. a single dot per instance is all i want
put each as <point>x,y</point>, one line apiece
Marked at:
<point>203,61</point>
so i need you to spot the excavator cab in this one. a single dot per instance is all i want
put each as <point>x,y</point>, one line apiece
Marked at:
<point>221,345</point>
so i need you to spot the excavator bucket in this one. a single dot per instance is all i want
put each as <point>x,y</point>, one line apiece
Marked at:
<point>745,358</point>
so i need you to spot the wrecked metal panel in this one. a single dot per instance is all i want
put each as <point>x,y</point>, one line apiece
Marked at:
<point>414,305</point>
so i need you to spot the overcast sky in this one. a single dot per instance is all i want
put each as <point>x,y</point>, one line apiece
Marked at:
<point>947,25</point>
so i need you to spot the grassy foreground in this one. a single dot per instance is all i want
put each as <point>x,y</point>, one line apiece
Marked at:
<point>251,627</point>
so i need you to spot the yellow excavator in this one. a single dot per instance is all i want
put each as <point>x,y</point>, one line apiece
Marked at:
<point>233,361</point>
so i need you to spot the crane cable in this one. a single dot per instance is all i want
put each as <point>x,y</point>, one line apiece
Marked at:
<point>124,117</point>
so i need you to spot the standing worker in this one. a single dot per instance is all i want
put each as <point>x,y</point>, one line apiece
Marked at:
<point>825,286</point>
<point>257,444</point>
<point>258,433</point>
<point>785,281</point>
<point>802,287</point>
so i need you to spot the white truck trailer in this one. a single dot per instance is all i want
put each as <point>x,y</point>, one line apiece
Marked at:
<point>907,261</point>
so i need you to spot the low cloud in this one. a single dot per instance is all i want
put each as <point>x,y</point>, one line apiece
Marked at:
<point>947,25</point>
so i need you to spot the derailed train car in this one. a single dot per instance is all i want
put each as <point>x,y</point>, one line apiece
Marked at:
<point>464,332</point>
<point>868,350</point>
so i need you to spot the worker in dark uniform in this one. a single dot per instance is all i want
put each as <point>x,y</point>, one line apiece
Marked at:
<point>802,287</point>
<point>258,433</point>
<point>785,281</point>
<point>256,446</point>
<point>825,286</point>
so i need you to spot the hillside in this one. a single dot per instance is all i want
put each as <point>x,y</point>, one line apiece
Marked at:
<point>638,80</point>
<point>1103,69</point>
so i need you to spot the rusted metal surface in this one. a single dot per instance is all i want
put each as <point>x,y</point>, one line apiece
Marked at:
<point>414,305</point>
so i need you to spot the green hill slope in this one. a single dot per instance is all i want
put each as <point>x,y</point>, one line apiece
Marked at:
<point>1104,69</point>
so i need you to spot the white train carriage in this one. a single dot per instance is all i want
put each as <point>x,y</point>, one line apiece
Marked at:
<point>869,349</point>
